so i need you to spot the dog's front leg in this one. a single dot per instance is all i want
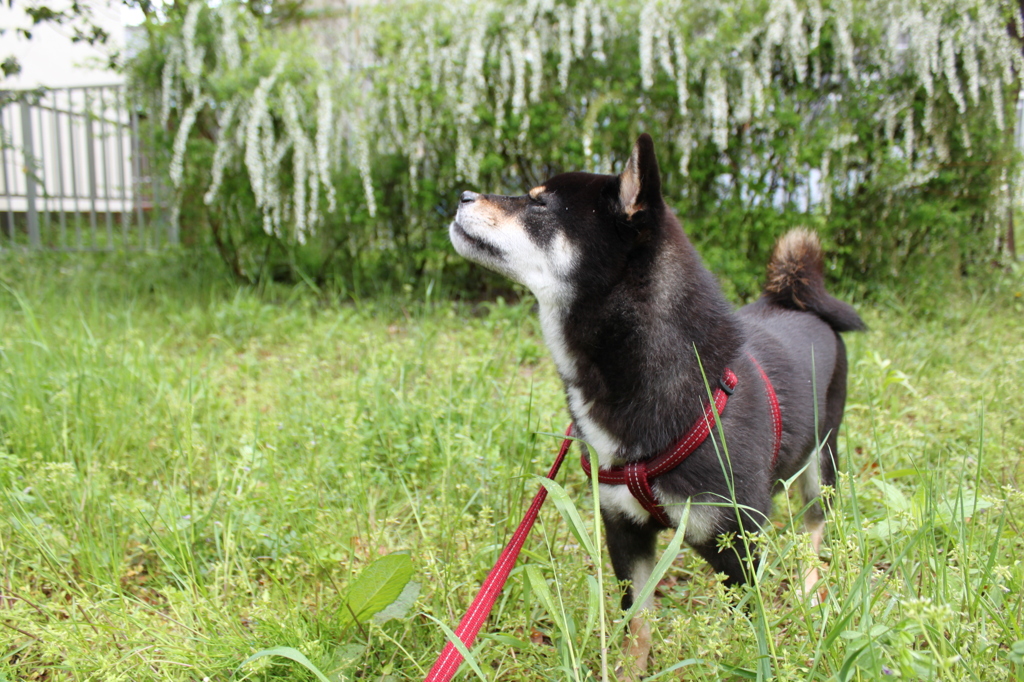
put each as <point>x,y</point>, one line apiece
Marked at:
<point>631,547</point>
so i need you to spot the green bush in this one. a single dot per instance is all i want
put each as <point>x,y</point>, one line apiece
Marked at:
<point>885,125</point>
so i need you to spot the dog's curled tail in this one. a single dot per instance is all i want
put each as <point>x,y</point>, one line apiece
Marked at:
<point>796,280</point>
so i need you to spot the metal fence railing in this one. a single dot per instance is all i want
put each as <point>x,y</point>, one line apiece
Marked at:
<point>75,172</point>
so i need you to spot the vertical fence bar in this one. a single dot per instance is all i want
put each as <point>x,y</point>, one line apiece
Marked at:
<point>7,178</point>
<point>46,221</point>
<point>140,225</point>
<point>105,142</point>
<point>30,175</point>
<point>74,168</point>
<point>90,154</point>
<point>120,127</point>
<point>58,164</point>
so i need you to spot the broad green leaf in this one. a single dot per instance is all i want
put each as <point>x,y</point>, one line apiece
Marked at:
<point>377,587</point>
<point>400,607</point>
<point>965,506</point>
<point>289,653</point>
<point>894,497</point>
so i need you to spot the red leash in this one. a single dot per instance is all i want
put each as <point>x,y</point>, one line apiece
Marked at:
<point>450,659</point>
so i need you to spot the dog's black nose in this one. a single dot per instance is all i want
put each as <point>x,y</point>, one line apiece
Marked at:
<point>468,197</point>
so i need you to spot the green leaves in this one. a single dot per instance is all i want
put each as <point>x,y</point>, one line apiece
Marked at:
<point>571,515</point>
<point>289,653</point>
<point>380,586</point>
<point>382,591</point>
<point>908,513</point>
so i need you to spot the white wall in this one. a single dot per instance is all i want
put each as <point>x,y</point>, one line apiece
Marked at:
<point>50,58</point>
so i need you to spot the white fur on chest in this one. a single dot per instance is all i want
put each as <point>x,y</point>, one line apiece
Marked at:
<point>551,325</point>
<point>608,447</point>
<point>700,525</point>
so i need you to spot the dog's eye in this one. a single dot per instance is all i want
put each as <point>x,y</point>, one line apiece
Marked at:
<point>536,199</point>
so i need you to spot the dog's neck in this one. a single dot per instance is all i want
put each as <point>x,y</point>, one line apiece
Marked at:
<point>631,355</point>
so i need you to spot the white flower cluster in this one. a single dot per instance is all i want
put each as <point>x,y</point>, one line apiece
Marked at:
<point>188,119</point>
<point>223,152</point>
<point>271,132</point>
<point>260,151</point>
<point>489,62</point>
<point>168,95</point>
<point>955,49</point>
<point>194,54</point>
<point>324,125</point>
<point>229,44</point>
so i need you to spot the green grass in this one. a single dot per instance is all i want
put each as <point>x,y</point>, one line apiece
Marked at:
<point>191,474</point>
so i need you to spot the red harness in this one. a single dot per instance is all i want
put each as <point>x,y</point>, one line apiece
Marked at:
<point>637,476</point>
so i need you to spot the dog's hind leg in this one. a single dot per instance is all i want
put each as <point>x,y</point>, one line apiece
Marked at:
<point>631,547</point>
<point>821,471</point>
<point>814,517</point>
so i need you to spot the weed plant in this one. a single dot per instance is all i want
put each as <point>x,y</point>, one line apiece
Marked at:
<point>191,474</point>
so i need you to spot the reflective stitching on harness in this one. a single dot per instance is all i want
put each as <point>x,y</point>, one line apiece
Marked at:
<point>636,476</point>
<point>773,410</point>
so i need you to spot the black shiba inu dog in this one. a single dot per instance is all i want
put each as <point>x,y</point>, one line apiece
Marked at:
<point>635,323</point>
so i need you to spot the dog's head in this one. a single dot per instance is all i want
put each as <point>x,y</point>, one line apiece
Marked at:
<point>575,226</point>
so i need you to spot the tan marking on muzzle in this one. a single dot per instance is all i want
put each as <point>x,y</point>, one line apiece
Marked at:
<point>491,213</point>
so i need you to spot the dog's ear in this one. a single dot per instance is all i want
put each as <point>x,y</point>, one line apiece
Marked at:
<point>640,182</point>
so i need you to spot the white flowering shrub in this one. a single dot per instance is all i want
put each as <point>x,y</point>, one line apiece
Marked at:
<point>250,129</point>
<point>887,124</point>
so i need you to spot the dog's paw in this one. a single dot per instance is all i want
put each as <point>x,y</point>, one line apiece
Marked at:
<point>815,589</point>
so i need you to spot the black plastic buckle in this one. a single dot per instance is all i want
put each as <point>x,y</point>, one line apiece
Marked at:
<point>725,387</point>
